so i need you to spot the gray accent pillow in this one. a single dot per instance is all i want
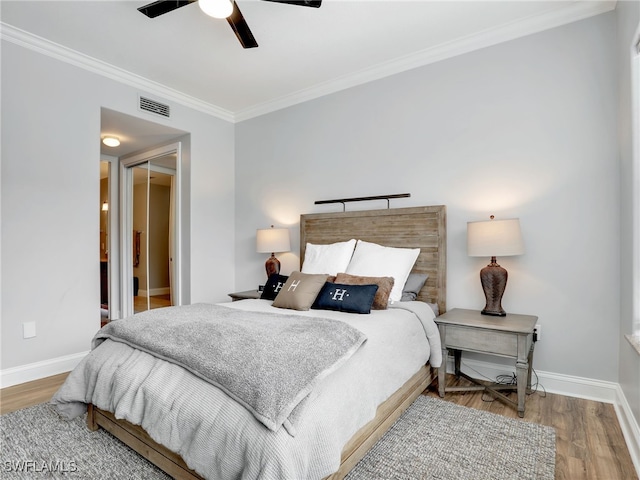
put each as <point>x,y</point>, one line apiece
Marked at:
<point>300,291</point>
<point>413,285</point>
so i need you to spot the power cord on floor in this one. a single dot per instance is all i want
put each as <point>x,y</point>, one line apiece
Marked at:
<point>509,379</point>
<point>534,386</point>
<point>484,377</point>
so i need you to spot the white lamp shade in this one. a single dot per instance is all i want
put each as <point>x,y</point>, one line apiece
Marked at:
<point>494,238</point>
<point>216,8</point>
<point>271,240</point>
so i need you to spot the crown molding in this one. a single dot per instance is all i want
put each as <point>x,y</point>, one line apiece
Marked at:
<point>67,55</point>
<point>562,15</point>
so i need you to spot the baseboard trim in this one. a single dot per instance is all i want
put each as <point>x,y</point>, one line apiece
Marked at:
<point>37,370</point>
<point>561,384</point>
<point>160,291</point>
<point>630,428</point>
<point>154,291</point>
<point>579,387</point>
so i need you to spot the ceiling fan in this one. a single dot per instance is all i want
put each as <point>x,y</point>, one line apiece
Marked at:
<point>221,9</point>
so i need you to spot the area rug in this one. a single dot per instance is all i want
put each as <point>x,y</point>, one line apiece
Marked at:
<point>439,440</point>
<point>434,439</point>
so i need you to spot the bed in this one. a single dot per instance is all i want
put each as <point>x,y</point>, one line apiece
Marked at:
<point>344,416</point>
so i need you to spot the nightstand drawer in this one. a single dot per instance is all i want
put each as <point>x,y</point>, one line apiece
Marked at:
<point>481,340</point>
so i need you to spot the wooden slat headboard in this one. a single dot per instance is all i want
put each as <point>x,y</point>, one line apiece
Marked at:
<point>413,227</point>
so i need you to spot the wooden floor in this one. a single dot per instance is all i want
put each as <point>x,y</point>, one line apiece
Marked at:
<point>30,393</point>
<point>589,442</point>
<point>142,304</point>
<point>155,301</point>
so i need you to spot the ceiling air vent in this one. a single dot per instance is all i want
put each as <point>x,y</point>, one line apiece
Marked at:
<point>148,105</point>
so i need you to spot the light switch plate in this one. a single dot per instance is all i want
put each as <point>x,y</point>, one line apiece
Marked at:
<point>29,329</point>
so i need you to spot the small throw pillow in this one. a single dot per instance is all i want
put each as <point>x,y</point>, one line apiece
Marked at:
<point>385,284</point>
<point>300,291</point>
<point>346,298</point>
<point>329,259</point>
<point>413,285</point>
<point>371,259</point>
<point>273,286</point>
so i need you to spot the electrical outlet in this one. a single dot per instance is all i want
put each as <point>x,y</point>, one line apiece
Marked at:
<point>536,332</point>
<point>28,329</point>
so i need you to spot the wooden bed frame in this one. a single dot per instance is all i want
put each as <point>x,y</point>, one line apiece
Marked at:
<point>423,227</point>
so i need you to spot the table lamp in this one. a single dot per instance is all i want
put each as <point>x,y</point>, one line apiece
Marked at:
<point>271,240</point>
<point>494,238</point>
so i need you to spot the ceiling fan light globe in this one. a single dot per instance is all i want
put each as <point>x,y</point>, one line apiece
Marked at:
<point>216,8</point>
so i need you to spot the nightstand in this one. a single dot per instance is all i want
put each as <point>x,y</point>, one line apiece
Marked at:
<point>244,295</point>
<point>510,336</point>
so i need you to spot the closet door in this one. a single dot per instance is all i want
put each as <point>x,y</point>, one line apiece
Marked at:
<point>149,226</point>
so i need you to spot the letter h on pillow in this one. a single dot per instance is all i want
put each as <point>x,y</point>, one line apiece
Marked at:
<point>300,291</point>
<point>346,298</point>
<point>273,286</point>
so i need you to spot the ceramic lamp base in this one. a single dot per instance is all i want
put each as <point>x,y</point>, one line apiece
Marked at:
<point>494,280</point>
<point>272,265</point>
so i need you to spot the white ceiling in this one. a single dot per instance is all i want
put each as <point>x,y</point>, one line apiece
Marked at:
<point>134,133</point>
<point>187,57</point>
<point>304,52</point>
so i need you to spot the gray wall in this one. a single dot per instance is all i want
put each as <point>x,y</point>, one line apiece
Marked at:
<point>523,129</point>
<point>50,202</point>
<point>628,16</point>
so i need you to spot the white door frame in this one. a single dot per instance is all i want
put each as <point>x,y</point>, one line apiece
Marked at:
<point>113,229</point>
<point>126,223</point>
<point>635,128</point>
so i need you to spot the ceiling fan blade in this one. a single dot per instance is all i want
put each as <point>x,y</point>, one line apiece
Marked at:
<point>161,7</point>
<point>240,28</point>
<point>302,3</point>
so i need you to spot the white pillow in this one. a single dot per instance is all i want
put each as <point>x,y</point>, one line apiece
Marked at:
<point>373,260</point>
<point>327,259</point>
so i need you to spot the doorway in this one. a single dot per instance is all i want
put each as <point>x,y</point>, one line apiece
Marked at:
<point>105,169</point>
<point>150,213</point>
<point>143,140</point>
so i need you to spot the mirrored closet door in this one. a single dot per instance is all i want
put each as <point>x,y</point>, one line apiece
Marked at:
<point>149,230</point>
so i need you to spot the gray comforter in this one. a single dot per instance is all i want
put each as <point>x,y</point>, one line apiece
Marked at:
<point>218,437</point>
<point>268,362</point>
